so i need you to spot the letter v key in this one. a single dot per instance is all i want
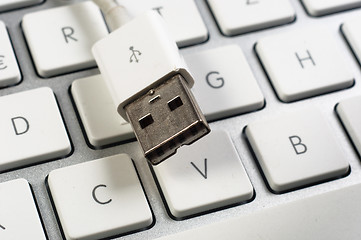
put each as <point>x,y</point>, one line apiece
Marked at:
<point>205,168</point>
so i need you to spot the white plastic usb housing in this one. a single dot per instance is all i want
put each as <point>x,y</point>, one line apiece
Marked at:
<point>150,85</point>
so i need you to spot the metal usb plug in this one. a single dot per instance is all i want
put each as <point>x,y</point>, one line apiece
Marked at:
<point>150,85</point>
<point>165,118</point>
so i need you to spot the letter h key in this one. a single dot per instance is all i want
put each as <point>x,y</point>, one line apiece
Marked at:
<point>304,63</point>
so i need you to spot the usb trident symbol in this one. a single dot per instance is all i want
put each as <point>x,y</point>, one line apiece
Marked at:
<point>134,54</point>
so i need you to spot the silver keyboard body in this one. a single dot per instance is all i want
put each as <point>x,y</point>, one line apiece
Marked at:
<point>164,224</point>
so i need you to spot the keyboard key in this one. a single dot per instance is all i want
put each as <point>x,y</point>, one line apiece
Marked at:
<point>204,176</point>
<point>221,89</point>
<point>19,218</point>
<point>331,215</point>
<point>32,129</point>
<point>237,17</point>
<point>102,123</point>
<point>9,69</point>
<point>350,115</point>
<point>351,31</point>
<point>304,64</point>
<point>100,198</point>
<point>181,16</point>
<point>60,39</point>
<point>292,154</point>
<point>322,7</point>
<point>6,5</point>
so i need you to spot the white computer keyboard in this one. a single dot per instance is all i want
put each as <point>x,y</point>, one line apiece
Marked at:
<point>277,79</point>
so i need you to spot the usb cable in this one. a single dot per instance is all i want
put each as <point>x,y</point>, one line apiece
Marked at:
<point>149,81</point>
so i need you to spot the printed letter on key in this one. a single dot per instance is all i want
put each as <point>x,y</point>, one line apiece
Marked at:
<point>158,10</point>
<point>308,58</point>
<point>20,124</point>
<point>2,64</point>
<point>68,33</point>
<point>218,80</point>
<point>95,197</point>
<point>250,2</point>
<point>204,174</point>
<point>297,145</point>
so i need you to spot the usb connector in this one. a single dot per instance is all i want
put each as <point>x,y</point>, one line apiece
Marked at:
<point>150,84</point>
<point>166,118</point>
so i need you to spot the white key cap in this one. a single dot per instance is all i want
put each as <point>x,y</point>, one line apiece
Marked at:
<point>352,32</point>
<point>322,7</point>
<point>237,17</point>
<point>13,4</point>
<point>222,89</point>
<point>32,129</point>
<point>304,64</point>
<point>102,123</point>
<point>349,112</point>
<point>292,154</point>
<point>19,218</point>
<point>204,176</point>
<point>9,69</point>
<point>60,39</point>
<point>329,216</point>
<point>181,16</point>
<point>99,199</point>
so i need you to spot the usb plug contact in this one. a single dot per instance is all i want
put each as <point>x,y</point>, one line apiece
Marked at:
<point>165,118</point>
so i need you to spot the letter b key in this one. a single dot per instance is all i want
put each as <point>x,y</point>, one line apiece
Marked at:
<point>290,161</point>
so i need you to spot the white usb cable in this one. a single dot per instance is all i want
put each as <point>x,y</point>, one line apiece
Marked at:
<point>115,15</point>
<point>149,81</point>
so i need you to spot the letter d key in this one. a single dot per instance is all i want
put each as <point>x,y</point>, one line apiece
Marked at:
<point>31,129</point>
